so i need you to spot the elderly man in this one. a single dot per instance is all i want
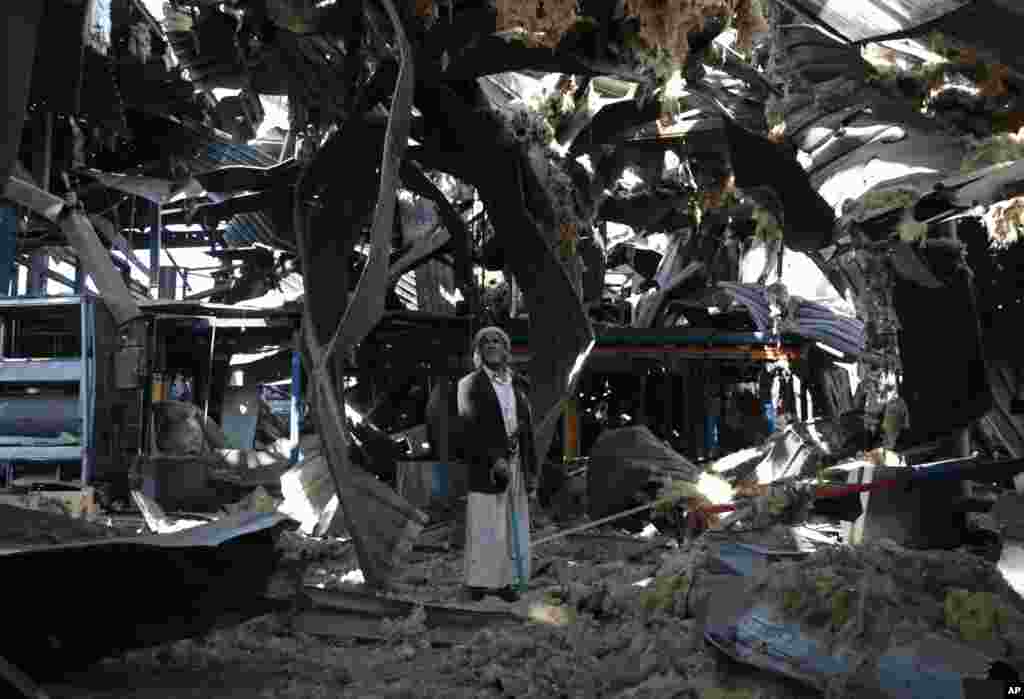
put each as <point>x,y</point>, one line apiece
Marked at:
<point>497,441</point>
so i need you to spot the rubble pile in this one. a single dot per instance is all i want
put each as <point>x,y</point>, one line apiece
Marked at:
<point>293,665</point>
<point>23,527</point>
<point>865,602</point>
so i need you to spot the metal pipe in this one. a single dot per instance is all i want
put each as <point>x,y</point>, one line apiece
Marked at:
<point>209,375</point>
<point>180,271</point>
<point>154,253</point>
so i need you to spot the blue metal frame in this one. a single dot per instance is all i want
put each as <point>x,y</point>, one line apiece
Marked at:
<point>60,371</point>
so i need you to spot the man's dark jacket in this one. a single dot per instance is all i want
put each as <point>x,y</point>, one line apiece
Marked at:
<point>482,436</point>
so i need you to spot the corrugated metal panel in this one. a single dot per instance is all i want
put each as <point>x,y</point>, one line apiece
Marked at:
<point>813,321</point>
<point>244,229</point>
<point>862,20</point>
<point>406,290</point>
<point>221,154</point>
<point>433,280</point>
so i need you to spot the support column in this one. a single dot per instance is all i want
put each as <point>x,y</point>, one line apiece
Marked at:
<point>168,283</point>
<point>444,410</point>
<point>154,253</point>
<point>295,416</point>
<point>8,250</point>
<point>42,161</point>
<point>571,430</point>
<point>39,265</point>
<point>962,448</point>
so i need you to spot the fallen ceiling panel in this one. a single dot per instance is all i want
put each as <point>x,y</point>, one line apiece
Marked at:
<point>864,20</point>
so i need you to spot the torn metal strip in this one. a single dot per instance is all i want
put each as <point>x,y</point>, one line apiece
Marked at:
<point>367,305</point>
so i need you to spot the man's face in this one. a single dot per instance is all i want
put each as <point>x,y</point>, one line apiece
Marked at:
<point>493,350</point>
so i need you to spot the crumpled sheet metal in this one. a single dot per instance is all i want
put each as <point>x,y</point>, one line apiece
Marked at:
<point>237,178</point>
<point>755,634</point>
<point>808,319</point>
<point>864,20</point>
<point>380,522</point>
<point>367,305</point>
<point>153,189</point>
<point>146,590</point>
<point>213,534</point>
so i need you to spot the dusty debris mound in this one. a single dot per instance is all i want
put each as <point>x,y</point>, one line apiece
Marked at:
<point>22,527</point>
<point>870,600</point>
<point>582,659</point>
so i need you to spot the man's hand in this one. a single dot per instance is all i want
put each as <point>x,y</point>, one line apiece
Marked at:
<point>500,473</point>
<point>531,484</point>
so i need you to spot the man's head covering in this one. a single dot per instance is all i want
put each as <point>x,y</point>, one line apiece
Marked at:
<point>491,330</point>
<point>487,332</point>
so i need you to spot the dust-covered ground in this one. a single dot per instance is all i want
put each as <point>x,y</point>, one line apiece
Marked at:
<point>593,624</point>
<point>606,615</point>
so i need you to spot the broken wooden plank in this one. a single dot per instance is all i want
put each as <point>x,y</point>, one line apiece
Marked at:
<point>356,602</point>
